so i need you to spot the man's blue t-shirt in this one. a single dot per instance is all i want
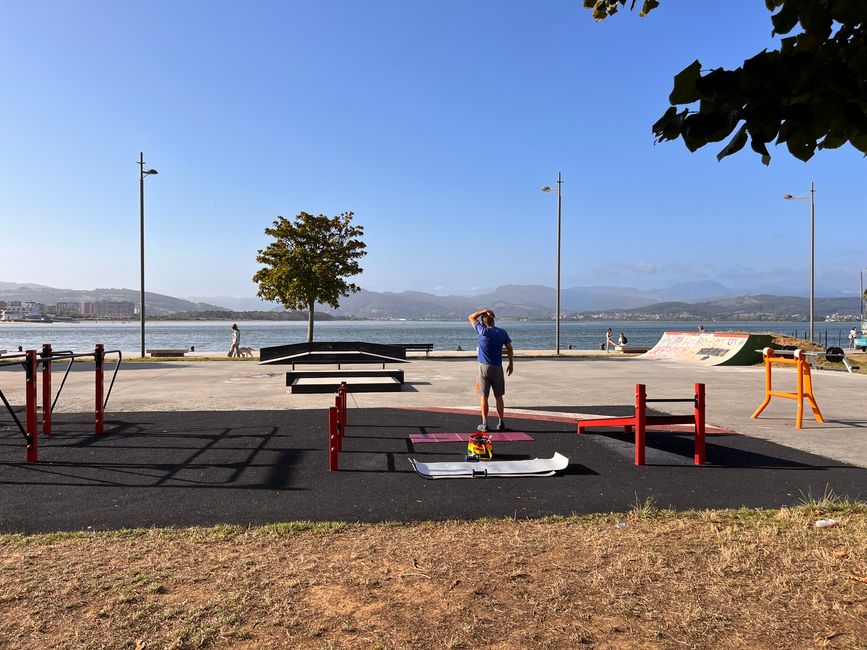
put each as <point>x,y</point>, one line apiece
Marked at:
<point>491,342</point>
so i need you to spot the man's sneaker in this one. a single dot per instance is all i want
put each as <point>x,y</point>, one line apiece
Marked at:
<point>501,426</point>
<point>482,427</point>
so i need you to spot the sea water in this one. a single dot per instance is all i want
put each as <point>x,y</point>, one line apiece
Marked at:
<point>215,336</point>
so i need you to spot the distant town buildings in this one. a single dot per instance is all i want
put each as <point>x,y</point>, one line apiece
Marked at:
<point>99,309</point>
<point>18,310</point>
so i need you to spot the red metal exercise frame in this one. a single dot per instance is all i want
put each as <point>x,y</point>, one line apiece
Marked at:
<point>31,360</point>
<point>641,420</point>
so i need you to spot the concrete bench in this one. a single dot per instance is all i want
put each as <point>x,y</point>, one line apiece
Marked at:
<point>168,353</point>
<point>419,347</point>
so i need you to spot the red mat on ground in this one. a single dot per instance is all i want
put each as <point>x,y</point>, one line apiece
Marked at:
<point>497,436</point>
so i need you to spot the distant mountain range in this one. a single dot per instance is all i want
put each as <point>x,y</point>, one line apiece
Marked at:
<point>705,300</point>
<point>157,304</point>
<point>742,308</point>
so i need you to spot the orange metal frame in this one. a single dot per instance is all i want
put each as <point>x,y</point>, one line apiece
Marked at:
<point>804,388</point>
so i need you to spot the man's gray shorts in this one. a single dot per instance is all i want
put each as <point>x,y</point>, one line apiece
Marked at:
<point>491,377</point>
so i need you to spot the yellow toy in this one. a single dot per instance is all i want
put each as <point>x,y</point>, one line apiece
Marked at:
<point>480,447</point>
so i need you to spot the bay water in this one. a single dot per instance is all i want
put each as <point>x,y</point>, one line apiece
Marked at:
<point>215,336</point>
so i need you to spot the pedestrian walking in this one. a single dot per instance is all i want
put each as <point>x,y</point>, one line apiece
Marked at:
<point>236,342</point>
<point>608,342</point>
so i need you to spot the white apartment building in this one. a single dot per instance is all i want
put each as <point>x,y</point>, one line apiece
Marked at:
<point>17,310</point>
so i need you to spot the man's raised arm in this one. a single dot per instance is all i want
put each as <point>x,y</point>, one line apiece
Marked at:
<point>475,316</point>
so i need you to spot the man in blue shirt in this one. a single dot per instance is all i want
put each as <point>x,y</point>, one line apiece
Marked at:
<point>491,342</point>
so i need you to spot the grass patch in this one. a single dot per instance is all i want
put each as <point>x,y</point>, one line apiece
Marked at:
<point>645,578</point>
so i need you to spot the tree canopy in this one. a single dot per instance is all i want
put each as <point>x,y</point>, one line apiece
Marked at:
<point>810,94</point>
<point>309,260</point>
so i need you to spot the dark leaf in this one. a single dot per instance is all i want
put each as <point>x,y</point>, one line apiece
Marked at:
<point>668,127</point>
<point>735,144</point>
<point>649,5</point>
<point>684,85</point>
<point>785,20</point>
<point>859,141</point>
<point>760,147</point>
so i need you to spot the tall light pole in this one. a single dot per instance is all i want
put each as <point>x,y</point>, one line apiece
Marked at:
<point>812,200</point>
<point>559,213</point>
<point>144,172</point>
<point>862,299</point>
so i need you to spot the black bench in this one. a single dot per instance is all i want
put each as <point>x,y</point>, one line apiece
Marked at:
<point>420,347</point>
<point>167,353</point>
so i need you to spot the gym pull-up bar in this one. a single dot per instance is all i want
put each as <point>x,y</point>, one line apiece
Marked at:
<point>30,360</point>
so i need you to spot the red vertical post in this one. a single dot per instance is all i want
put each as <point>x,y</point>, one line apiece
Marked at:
<point>699,425</point>
<point>98,358</point>
<point>339,427</point>
<point>332,440</point>
<point>343,409</point>
<point>640,420</point>
<point>30,423</point>
<point>46,389</point>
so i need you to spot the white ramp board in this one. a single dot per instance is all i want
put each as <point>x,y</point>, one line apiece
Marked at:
<point>532,467</point>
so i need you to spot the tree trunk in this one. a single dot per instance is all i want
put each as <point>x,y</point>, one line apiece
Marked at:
<point>310,322</point>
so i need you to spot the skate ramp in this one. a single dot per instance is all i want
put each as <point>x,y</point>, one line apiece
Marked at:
<point>710,349</point>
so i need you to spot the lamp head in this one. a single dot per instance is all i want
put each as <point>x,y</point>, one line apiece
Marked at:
<point>151,171</point>
<point>546,189</point>
<point>788,197</point>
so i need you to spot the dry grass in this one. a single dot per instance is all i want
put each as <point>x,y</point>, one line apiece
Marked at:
<point>721,579</point>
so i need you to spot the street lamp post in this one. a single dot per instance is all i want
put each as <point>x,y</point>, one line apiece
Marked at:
<point>862,300</point>
<point>812,200</point>
<point>144,172</point>
<point>559,212</point>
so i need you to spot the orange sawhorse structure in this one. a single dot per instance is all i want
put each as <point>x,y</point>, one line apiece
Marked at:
<point>641,420</point>
<point>805,384</point>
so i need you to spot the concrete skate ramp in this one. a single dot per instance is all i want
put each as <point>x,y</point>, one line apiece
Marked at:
<point>710,349</point>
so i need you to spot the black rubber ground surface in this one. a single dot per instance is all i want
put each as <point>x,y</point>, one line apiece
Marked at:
<point>204,468</point>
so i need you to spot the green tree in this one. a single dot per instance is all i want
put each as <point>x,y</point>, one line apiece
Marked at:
<point>810,94</point>
<point>309,261</point>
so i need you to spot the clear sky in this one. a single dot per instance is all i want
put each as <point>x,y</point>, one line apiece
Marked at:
<point>435,122</point>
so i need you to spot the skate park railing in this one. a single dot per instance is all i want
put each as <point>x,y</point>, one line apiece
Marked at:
<point>640,421</point>
<point>332,352</point>
<point>30,360</point>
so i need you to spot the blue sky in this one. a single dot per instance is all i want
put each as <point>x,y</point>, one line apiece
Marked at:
<point>435,122</point>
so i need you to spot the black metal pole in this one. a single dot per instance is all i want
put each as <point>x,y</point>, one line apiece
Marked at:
<point>559,211</point>
<point>142,299</point>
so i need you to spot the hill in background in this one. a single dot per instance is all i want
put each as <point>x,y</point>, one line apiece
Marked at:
<point>691,300</point>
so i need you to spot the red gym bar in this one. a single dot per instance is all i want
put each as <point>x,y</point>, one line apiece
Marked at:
<point>99,414</point>
<point>30,361</point>
<point>46,389</point>
<point>333,442</point>
<point>30,423</point>
<point>641,420</point>
<point>336,427</point>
